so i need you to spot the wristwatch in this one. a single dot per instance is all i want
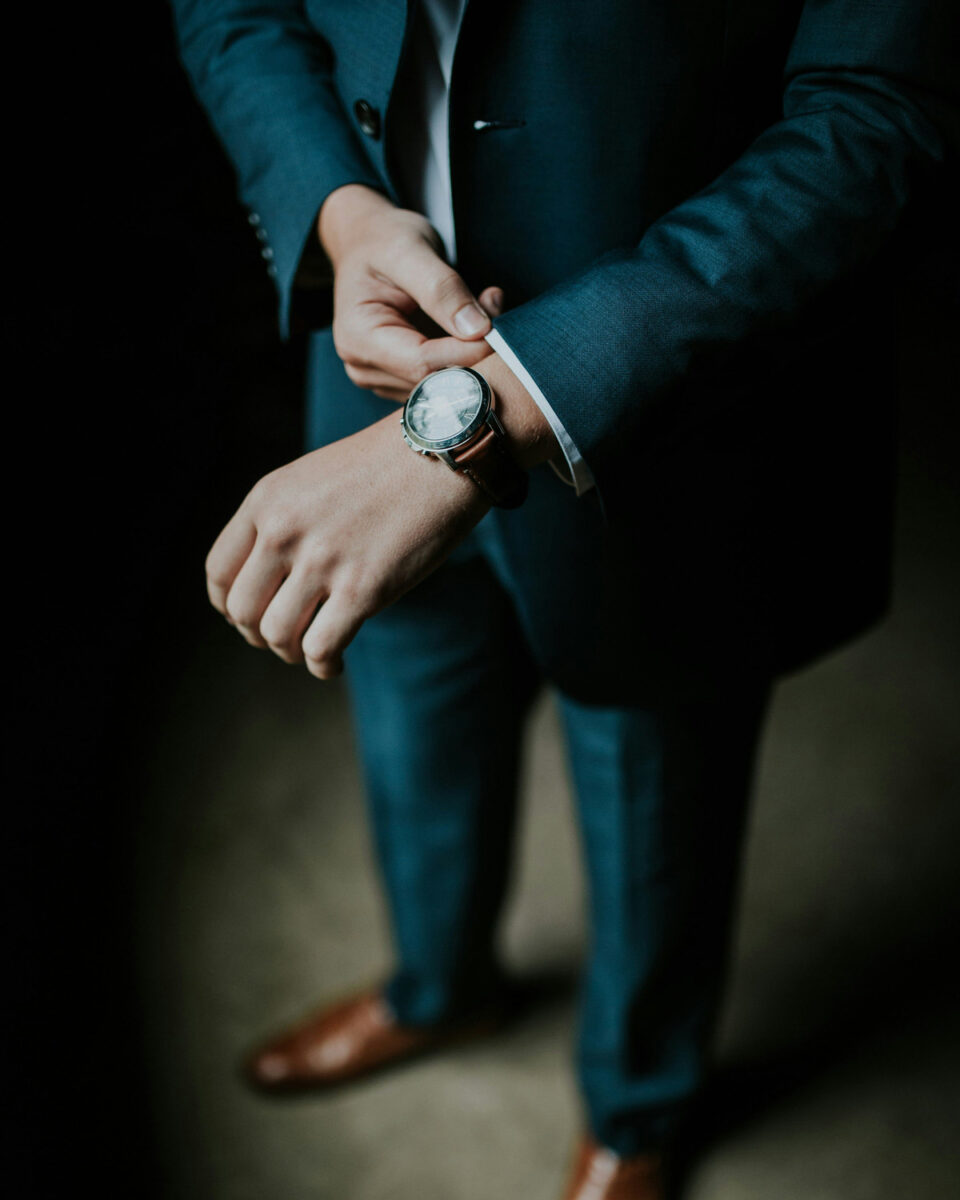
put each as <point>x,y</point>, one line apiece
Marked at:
<point>450,415</point>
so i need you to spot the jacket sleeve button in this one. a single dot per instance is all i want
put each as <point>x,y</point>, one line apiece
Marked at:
<point>367,118</point>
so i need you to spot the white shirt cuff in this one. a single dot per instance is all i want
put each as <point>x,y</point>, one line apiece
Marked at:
<point>580,475</point>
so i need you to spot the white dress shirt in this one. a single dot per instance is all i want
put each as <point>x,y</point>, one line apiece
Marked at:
<point>425,162</point>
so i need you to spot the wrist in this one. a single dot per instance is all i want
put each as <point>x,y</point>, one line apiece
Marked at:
<point>344,215</point>
<point>453,415</point>
<point>530,439</point>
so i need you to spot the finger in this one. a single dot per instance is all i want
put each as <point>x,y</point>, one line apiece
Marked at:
<point>440,292</point>
<point>373,377</point>
<point>491,301</point>
<point>289,613</point>
<point>252,590</point>
<point>227,555</point>
<point>436,353</point>
<point>329,634</point>
<point>397,348</point>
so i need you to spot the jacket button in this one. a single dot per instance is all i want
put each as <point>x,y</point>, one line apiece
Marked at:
<point>367,118</point>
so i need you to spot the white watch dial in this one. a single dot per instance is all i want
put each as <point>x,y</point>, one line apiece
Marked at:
<point>444,405</point>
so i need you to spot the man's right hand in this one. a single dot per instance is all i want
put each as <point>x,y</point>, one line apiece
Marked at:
<point>395,295</point>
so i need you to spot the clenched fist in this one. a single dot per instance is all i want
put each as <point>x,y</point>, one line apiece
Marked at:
<point>328,540</point>
<point>323,543</point>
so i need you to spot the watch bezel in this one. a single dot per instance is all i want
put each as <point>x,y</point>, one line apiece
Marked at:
<point>466,434</point>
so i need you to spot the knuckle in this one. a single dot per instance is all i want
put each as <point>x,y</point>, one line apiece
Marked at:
<point>444,287</point>
<point>276,531</point>
<point>316,650</point>
<point>355,589</point>
<point>363,593</point>
<point>344,344</point>
<point>327,667</point>
<point>273,633</point>
<point>318,560</point>
<point>354,373</point>
<point>280,639</point>
<point>320,651</point>
<point>410,244</point>
<point>239,614</point>
<point>417,246</point>
<point>259,494</point>
<point>420,365</point>
<point>271,538</point>
<point>217,578</point>
<point>282,650</point>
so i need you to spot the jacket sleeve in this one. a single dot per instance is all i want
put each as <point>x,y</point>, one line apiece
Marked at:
<point>869,114</point>
<point>264,77</point>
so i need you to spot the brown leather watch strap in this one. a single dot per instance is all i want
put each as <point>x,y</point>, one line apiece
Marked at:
<point>488,463</point>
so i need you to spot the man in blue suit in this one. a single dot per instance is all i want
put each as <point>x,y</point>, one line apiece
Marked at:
<point>643,243</point>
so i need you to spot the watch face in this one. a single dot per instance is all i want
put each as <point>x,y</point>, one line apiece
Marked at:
<point>444,405</point>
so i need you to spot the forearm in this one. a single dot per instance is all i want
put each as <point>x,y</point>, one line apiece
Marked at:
<point>263,75</point>
<point>806,207</point>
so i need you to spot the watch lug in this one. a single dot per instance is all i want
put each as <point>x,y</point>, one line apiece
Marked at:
<point>494,422</point>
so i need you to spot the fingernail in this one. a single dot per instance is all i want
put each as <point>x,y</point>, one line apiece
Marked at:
<point>496,301</point>
<point>470,320</point>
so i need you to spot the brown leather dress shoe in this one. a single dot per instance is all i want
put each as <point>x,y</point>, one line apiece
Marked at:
<point>352,1038</point>
<point>600,1174</point>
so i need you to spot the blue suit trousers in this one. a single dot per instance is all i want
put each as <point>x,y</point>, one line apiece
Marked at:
<point>441,683</point>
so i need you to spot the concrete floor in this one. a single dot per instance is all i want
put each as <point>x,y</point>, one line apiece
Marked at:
<point>839,1051</point>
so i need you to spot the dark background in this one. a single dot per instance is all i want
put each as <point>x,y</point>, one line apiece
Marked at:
<point>155,392</point>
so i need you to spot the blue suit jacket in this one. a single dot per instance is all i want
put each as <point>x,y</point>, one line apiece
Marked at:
<point>686,203</point>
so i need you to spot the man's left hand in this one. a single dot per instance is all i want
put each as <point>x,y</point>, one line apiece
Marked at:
<point>322,544</point>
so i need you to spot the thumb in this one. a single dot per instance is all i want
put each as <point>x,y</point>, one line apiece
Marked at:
<point>442,294</point>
